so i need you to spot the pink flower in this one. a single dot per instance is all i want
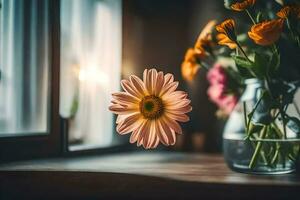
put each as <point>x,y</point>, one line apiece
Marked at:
<point>215,92</point>
<point>150,109</point>
<point>227,103</point>
<point>217,75</point>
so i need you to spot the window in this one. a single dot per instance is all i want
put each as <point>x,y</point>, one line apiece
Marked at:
<point>59,62</point>
<point>25,67</point>
<point>29,55</point>
<point>90,70</point>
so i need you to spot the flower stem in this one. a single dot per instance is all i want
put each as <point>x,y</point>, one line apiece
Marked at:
<point>245,117</point>
<point>258,148</point>
<point>252,19</point>
<point>278,145</point>
<point>283,123</point>
<point>242,50</point>
<point>276,154</point>
<point>290,28</point>
<point>274,49</point>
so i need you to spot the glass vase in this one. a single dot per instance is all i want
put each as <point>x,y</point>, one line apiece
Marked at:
<point>255,155</point>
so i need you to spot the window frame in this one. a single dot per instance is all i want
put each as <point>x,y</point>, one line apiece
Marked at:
<point>53,142</point>
<point>50,144</point>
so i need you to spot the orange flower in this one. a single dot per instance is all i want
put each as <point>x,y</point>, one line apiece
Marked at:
<point>204,41</point>
<point>227,34</point>
<point>224,40</point>
<point>192,55</point>
<point>289,11</point>
<point>189,70</point>
<point>266,33</point>
<point>241,6</point>
<point>190,65</point>
<point>284,12</point>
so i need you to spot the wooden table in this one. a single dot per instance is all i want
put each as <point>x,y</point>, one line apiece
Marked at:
<point>152,175</point>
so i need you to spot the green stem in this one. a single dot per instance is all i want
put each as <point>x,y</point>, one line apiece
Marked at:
<point>277,130</point>
<point>283,123</point>
<point>261,152</point>
<point>276,154</point>
<point>274,48</point>
<point>242,50</point>
<point>290,28</point>
<point>278,145</point>
<point>254,109</point>
<point>258,148</point>
<point>252,19</point>
<point>245,117</point>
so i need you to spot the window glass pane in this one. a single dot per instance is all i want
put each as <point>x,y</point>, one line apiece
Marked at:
<point>24,65</point>
<point>90,69</point>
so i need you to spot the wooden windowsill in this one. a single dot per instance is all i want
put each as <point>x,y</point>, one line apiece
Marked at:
<point>154,175</point>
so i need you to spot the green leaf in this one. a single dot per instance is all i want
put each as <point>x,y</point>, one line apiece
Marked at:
<point>274,64</point>
<point>261,62</point>
<point>293,123</point>
<point>243,66</point>
<point>241,61</point>
<point>258,68</point>
<point>244,72</point>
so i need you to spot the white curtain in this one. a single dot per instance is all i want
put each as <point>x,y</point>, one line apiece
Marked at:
<point>24,54</point>
<point>90,67</point>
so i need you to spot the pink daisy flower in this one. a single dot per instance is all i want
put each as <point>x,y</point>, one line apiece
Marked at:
<point>150,109</point>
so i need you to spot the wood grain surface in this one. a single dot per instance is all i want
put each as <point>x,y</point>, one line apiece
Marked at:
<point>153,175</point>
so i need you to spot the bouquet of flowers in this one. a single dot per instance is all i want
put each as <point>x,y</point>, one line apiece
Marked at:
<point>225,85</point>
<point>267,51</point>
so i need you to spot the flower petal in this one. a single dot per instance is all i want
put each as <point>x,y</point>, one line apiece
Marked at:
<point>168,132</point>
<point>145,74</point>
<point>121,118</point>
<point>159,83</point>
<point>150,136</point>
<point>125,97</point>
<point>169,88</point>
<point>162,135</point>
<point>156,143</point>
<point>144,129</point>
<point>176,95</point>
<point>129,88</point>
<point>178,117</point>
<point>173,124</point>
<point>169,78</point>
<point>131,123</point>
<point>138,85</point>
<point>181,110</point>
<point>148,80</point>
<point>172,137</point>
<point>120,110</point>
<point>177,104</point>
<point>153,80</point>
<point>135,134</point>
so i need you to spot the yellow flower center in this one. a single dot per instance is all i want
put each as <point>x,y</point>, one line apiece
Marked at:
<point>151,107</point>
